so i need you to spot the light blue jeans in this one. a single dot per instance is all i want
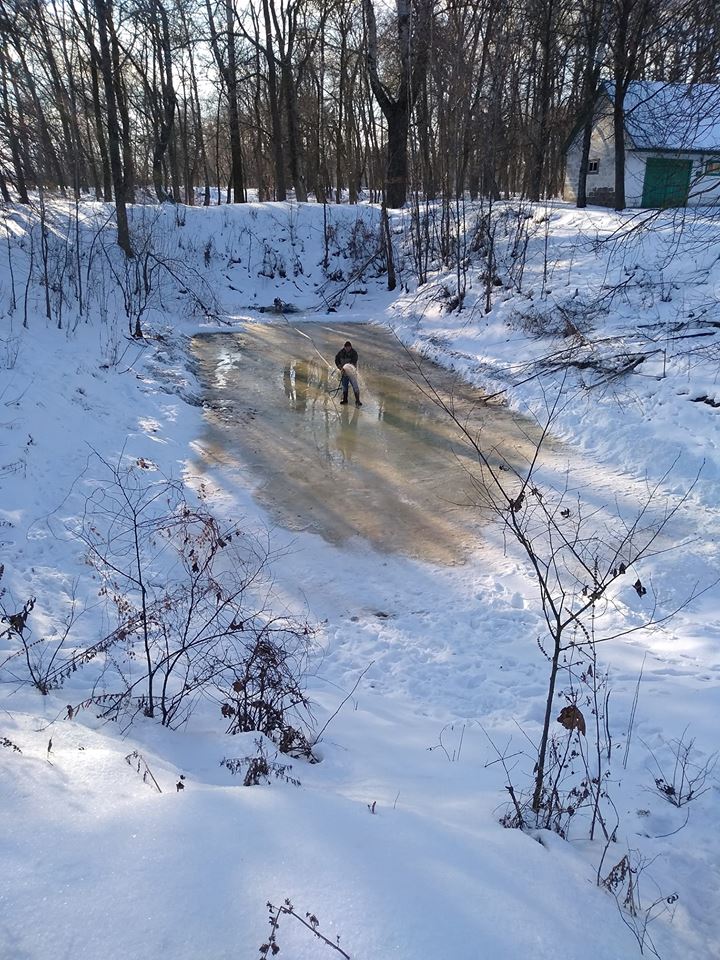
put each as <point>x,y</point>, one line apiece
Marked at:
<point>345,381</point>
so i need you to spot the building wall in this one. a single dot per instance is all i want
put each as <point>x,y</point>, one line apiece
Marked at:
<point>703,190</point>
<point>635,176</point>
<point>601,185</point>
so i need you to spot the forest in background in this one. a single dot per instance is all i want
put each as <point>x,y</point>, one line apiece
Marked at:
<point>196,102</point>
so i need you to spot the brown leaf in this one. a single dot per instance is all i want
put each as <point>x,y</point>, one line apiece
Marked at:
<point>572,719</point>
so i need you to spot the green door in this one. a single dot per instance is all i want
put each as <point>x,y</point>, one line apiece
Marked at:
<point>666,182</point>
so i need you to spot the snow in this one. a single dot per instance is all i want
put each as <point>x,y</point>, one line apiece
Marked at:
<point>672,116</point>
<point>393,840</point>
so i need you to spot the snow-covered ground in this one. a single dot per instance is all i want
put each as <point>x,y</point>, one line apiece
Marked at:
<point>426,675</point>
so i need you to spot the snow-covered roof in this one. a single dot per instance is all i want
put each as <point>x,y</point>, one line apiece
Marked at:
<point>672,116</point>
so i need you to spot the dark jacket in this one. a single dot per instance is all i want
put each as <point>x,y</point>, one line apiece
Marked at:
<point>346,356</point>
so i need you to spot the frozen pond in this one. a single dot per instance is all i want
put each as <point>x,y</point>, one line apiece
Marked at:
<point>394,472</point>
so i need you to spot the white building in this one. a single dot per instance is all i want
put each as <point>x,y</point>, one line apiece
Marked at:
<point>672,147</point>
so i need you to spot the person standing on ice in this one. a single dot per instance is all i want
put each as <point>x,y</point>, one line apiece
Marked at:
<point>346,361</point>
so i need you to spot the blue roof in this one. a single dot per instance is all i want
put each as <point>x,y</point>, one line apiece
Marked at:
<point>672,116</point>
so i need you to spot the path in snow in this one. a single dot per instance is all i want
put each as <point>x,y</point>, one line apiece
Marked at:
<point>395,471</point>
<point>393,476</point>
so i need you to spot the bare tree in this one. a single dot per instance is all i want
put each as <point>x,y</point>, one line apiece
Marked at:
<point>578,555</point>
<point>103,12</point>
<point>226,60</point>
<point>194,596</point>
<point>413,24</point>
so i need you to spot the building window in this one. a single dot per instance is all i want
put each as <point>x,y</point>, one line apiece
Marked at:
<point>712,168</point>
<point>594,166</point>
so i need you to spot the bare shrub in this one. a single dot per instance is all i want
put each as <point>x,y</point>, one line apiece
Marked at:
<point>140,765</point>
<point>683,778</point>
<point>9,352</point>
<point>266,694</point>
<point>623,881</point>
<point>309,921</point>
<point>192,599</point>
<point>260,768</point>
<point>155,273</point>
<point>579,557</point>
<point>46,661</point>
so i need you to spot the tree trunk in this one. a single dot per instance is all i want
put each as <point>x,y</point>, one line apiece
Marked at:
<point>423,127</point>
<point>122,110</point>
<point>619,134</point>
<point>45,136</point>
<point>633,26</point>
<point>584,161</point>
<point>275,121</point>
<point>261,172</point>
<point>81,159</point>
<point>97,111</point>
<point>398,120</point>
<point>352,143</point>
<point>545,736</point>
<point>542,103</point>
<point>13,139</point>
<point>197,117</point>
<point>340,152</point>
<point>237,173</point>
<point>168,107</point>
<point>228,69</point>
<point>594,22</point>
<point>69,127</point>
<point>103,10</point>
<point>413,30</point>
<point>293,131</point>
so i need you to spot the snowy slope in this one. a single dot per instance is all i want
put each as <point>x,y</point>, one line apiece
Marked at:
<point>393,840</point>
